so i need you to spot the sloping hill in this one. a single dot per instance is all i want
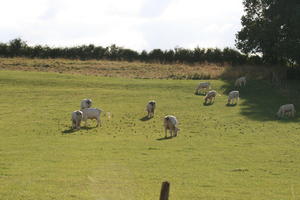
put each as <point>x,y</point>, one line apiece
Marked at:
<point>222,152</point>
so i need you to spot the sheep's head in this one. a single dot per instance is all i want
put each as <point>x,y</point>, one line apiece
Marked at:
<point>89,102</point>
<point>152,103</point>
<point>79,114</point>
<point>278,114</point>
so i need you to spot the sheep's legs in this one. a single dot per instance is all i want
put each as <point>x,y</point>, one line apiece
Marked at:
<point>165,133</point>
<point>98,122</point>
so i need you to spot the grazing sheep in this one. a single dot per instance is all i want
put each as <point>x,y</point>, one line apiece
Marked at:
<point>85,103</point>
<point>233,95</point>
<point>150,108</point>
<point>91,113</point>
<point>203,85</point>
<point>76,118</point>
<point>170,122</point>
<point>286,110</point>
<point>240,82</point>
<point>210,96</point>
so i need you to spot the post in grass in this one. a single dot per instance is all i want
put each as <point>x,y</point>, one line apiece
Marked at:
<point>164,192</point>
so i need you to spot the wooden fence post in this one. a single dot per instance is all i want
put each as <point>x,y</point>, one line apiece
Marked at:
<point>164,192</point>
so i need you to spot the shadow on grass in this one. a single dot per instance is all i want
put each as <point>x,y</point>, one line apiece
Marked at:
<point>261,101</point>
<point>145,118</point>
<point>286,119</point>
<point>70,130</point>
<point>208,104</point>
<point>200,94</point>
<point>164,138</point>
<point>88,127</point>
<point>231,105</point>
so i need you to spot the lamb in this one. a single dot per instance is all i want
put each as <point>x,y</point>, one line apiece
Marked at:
<point>150,108</point>
<point>170,122</point>
<point>203,85</point>
<point>240,82</point>
<point>286,110</point>
<point>86,103</point>
<point>76,118</point>
<point>91,113</point>
<point>210,96</point>
<point>233,95</point>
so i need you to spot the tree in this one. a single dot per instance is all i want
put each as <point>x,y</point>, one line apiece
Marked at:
<point>272,28</point>
<point>183,55</point>
<point>17,47</point>
<point>144,56</point>
<point>156,55</point>
<point>199,55</point>
<point>4,49</point>
<point>169,56</point>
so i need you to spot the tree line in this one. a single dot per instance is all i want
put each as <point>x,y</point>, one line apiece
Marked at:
<point>19,48</point>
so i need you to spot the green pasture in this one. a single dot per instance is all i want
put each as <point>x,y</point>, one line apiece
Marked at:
<point>221,152</point>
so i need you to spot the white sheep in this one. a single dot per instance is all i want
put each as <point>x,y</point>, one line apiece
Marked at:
<point>240,82</point>
<point>170,123</point>
<point>210,96</point>
<point>85,103</point>
<point>286,110</point>
<point>76,118</point>
<point>91,113</point>
<point>150,108</point>
<point>233,95</point>
<point>203,85</point>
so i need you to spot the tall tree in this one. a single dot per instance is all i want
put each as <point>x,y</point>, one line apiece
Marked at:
<point>271,27</point>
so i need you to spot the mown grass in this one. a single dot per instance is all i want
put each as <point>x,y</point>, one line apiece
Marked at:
<point>222,152</point>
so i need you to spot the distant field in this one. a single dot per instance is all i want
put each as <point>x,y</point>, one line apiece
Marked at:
<point>135,69</point>
<point>222,152</point>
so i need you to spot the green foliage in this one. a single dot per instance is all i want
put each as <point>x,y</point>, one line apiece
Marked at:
<point>222,152</point>
<point>17,47</point>
<point>271,28</point>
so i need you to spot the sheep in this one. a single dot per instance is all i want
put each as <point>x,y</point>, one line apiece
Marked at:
<point>76,118</point>
<point>233,95</point>
<point>240,82</point>
<point>170,122</point>
<point>150,108</point>
<point>91,113</point>
<point>286,110</point>
<point>203,85</point>
<point>210,96</point>
<point>85,103</point>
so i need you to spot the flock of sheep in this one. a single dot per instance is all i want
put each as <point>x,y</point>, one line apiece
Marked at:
<point>86,112</point>
<point>210,96</point>
<point>170,121</point>
<point>284,110</point>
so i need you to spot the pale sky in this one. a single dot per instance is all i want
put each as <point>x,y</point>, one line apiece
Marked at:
<point>135,24</point>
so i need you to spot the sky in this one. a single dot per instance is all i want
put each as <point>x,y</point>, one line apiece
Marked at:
<point>135,24</point>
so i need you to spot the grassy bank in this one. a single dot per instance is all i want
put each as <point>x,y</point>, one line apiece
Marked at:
<point>136,69</point>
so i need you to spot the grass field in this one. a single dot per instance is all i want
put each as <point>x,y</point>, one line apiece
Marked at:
<point>222,152</point>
